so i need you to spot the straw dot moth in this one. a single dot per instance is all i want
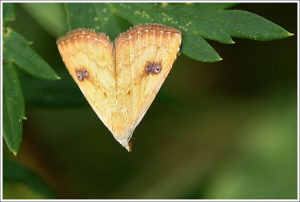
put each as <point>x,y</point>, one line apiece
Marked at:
<point>124,76</point>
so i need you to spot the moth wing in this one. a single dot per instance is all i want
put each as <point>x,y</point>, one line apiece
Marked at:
<point>137,88</point>
<point>88,57</point>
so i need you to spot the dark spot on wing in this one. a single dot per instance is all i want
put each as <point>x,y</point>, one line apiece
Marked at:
<point>81,74</point>
<point>153,68</point>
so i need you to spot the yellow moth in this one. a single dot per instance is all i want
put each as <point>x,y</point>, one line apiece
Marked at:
<point>120,80</point>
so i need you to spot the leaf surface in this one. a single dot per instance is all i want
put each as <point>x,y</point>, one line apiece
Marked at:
<point>16,49</point>
<point>92,16</point>
<point>197,22</point>
<point>13,108</point>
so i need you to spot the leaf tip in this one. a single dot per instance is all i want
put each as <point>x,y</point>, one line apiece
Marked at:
<point>53,77</point>
<point>14,153</point>
<point>219,59</point>
<point>290,34</point>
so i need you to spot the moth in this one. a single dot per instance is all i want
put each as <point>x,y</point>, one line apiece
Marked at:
<point>120,80</point>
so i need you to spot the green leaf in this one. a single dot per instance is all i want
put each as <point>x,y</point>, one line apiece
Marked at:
<point>243,24</point>
<point>18,174</point>
<point>9,13</point>
<point>197,22</point>
<point>13,108</point>
<point>93,16</point>
<point>205,54</point>
<point>16,49</point>
<point>51,16</point>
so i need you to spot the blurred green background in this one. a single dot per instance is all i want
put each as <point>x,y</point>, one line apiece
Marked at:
<point>215,130</point>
